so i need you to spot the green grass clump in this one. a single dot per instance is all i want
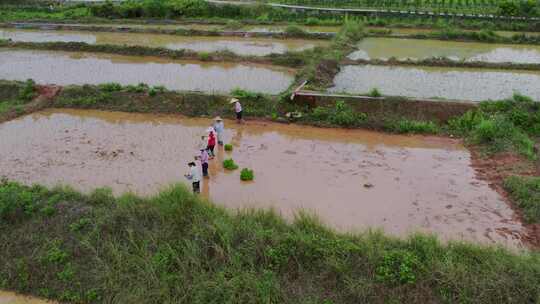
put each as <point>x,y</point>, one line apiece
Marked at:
<point>295,31</point>
<point>525,191</point>
<point>374,93</point>
<point>341,114</point>
<point>204,56</point>
<point>110,87</point>
<point>229,164</point>
<point>28,91</point>
<point>504,125</point>
<point>404,126</point>
<point>246,174</point>
<point>175,247</point>
<point>228,147</point>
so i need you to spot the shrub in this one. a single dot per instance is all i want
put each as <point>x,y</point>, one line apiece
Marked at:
<point>246,174</point>
<point>28,91</point>
<point>152,92</point>
<point>498,133</point>
<point>140,88</point>
<point>110,87</point>
<point>233,25</point>
<point>243,94</point>
<point>229,164</point>
<point>403,126</point>
<point>188,8</point>
<point>464,124</point>
<point>204,56</point>
<point>228,147</point>
<point>341,114</point>
<point>295,31</point>
<point>374,93</point>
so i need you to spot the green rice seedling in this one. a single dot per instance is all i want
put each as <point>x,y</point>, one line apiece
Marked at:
<point>229,164</point>
<point>246,174</point>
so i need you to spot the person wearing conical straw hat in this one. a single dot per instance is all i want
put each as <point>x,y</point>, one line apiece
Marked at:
<point>237,109</point>
<point>219,127</point>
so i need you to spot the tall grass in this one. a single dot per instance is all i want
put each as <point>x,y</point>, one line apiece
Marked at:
<point>526,192</point>
<point>506,125</point>
<point>176,248</point>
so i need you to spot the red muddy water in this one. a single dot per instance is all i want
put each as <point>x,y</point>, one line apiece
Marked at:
<point>352,179</point>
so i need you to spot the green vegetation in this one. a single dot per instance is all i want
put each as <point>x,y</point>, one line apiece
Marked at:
<point>175,247</point>
<point>525,191</point>
<point>340,114</point>
<point>228,147</point>
<point>246,174</point>
<point>502,125</point>
<point>504,7</point>
<point>14,96</point>
<point>374,93</point>
<point>404,126</point>
<point>229,164</point>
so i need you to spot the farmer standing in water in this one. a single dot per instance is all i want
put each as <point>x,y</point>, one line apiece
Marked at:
<point>237,110</point>
<point>219,127</point>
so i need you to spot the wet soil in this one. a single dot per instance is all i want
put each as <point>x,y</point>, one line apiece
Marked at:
<point>65,68</point>
<point>494,169</point>
<point>352,179</point>
<point>438,82</point>
<point>237,45</point>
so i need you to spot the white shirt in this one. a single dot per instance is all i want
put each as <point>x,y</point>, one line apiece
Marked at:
<point>238,107</point>
<point>195,175</point>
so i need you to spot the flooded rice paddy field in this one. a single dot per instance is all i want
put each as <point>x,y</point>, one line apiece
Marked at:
<point>417,183</point>
<point>66,68</point>
<point>385,48</point>
<point>437,82</point>
<point>237,45</point>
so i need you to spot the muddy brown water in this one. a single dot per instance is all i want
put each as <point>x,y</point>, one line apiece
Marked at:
<point>237,45</point>
<point>436,82</point>
<point>13,298</point>
<point>385,48</point>
<point>417,183</point>
<point>66,68</point>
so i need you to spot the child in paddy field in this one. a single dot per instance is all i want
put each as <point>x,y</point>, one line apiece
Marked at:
<point>195,177</point>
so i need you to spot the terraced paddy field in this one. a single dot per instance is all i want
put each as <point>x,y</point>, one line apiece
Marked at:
<point>238,45</point>
<point>431,82</point>
<point>84,68</point>
<point>385,48</point>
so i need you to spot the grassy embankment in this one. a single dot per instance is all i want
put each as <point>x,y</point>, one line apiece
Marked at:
<point>445,62</point>
<point>177,248</point>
